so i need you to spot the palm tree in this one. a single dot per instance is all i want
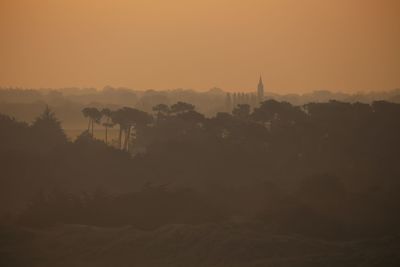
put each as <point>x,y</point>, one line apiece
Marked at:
<point>118,117</point>
<point>106,113</point>
<point>94,116</point>
<point>86,113</point>
<point>128,118</point>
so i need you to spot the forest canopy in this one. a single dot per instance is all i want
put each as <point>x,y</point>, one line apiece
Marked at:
<point>334,163</point>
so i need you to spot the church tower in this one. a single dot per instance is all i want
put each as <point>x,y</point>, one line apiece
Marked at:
<point>260,90</point>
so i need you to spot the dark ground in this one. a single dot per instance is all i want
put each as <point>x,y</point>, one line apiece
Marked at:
<point>225,244</point>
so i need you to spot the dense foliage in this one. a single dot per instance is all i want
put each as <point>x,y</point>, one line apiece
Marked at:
<point>324,169</point>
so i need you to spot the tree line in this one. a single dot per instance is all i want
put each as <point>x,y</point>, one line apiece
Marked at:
<point>131,120</point>
<point>332,164</point>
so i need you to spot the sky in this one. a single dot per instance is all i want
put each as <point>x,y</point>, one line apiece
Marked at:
<point>296,45</point>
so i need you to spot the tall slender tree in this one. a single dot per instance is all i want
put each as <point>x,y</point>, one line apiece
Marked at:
<point>129,119</point>
<point>86,113</point>
<point>161,111</point>
<point>94,116</point>
<point>118,117</point>
<point>106,115</point>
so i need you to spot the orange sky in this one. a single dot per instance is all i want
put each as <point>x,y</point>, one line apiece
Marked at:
<point>297,45</point>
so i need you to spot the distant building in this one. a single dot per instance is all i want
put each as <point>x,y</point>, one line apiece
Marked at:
<point>252,99</point>
<point>260,90</point>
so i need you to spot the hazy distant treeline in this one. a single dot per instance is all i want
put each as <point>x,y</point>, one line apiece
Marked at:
<point>23,104</point>
<point>322,169</point>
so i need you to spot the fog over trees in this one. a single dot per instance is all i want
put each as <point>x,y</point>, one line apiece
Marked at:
<point>24,104</point>
<point>323,176</point>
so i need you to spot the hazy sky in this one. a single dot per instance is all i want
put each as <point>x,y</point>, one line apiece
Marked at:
<point>297,45</point>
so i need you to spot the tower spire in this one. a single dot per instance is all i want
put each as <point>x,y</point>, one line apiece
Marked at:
<point>260,90</point>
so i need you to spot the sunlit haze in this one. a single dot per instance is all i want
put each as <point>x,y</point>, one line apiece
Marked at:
<point>298,46</point>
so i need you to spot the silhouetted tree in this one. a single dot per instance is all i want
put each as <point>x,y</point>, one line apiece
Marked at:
<point>192,116</point>
<point>128,118</point>
<point>135,119</point>
<point>47,129</point>
<point>181,107</point>
<point>278,112</point>
<point>241,111</point>
<point>94,116</point>
<point>161,111</point>
<point>107,113</point>
<point>118,117</point>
